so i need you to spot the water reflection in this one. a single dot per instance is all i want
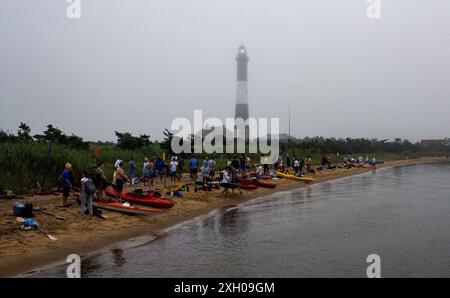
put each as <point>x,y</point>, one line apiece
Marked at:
<point>118,256</point>
<point>91,264</point>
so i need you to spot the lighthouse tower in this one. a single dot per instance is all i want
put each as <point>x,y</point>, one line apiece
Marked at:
<point>241,90</point>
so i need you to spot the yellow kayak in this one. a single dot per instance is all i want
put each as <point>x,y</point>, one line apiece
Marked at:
<point>289,176</point>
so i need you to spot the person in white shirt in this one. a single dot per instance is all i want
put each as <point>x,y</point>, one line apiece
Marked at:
<point>173,167</point>
<point>226,180</point>
<point>259,171</point>
<point>296,166</point>
<point>225,177</point>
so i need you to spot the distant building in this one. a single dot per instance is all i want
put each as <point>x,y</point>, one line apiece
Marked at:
<point>431,142</point>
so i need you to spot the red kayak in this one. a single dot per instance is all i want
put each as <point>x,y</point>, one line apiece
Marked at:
<point>247,186</point>
<point>261,183</point>
<point>149,194</point>
<point>146,200</point>
<point>127,209</point>
<point>111,193</point>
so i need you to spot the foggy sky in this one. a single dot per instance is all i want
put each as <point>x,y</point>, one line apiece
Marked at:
<point>135,65</point>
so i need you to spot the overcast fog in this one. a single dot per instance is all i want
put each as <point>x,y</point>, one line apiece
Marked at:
<point>135,65</point>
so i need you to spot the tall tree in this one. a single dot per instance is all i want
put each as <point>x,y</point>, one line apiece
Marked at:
<point>23,133</point>
<point>166,143</point>
<point>126,140</point>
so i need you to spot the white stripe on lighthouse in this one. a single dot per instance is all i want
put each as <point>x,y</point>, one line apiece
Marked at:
<point>241,92</point>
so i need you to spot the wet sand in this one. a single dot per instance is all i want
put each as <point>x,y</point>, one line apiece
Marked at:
<point>21,251</point>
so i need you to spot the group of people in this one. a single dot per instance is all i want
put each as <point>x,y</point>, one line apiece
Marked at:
<point>90,187</point>
<point>359,161</point>
<point>94,183</point>
<point>297,164</point>
<point>156,167</point>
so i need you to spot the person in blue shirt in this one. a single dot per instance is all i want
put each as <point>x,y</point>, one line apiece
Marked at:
<point>193,168</point>
<point>66,181</point>
<point>159,167</point>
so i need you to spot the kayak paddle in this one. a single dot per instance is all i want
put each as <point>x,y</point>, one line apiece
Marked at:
<point>51,237</point>
<point>50,214</point>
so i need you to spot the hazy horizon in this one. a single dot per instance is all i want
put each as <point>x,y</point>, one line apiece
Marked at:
<point>134,66</point>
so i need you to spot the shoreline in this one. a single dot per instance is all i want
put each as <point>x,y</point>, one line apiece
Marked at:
<point>23,251</point>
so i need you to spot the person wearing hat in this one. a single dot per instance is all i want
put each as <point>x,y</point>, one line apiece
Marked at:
<point>66,183</point>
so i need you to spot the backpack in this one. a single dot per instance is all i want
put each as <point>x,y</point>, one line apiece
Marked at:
<point>25,211</point>
<point>89,187</point>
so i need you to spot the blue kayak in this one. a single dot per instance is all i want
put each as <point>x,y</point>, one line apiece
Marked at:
<point>228,185</point>
<point>200,182</point>
<point>374,161</point>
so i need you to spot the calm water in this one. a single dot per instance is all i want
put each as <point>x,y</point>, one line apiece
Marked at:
<point>325,230</point>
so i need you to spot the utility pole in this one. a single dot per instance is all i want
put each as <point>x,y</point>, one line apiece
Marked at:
<point>289,124</point>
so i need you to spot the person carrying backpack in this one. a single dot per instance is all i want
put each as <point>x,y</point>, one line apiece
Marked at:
<point>88,189</point>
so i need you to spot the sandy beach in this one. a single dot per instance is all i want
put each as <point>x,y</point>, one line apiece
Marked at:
<point>21,251</point>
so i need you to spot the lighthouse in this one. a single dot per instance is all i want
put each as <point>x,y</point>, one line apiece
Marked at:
<point>241,88</point>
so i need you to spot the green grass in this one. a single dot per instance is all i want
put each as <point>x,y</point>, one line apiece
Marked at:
<point>24,164</point>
